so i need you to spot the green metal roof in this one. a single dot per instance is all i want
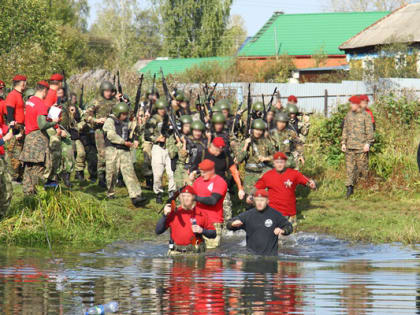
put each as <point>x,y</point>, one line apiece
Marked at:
<point>172,66</point>
<point>308,34</point>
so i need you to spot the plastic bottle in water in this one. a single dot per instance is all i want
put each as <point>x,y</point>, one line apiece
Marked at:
<point>110,307</point>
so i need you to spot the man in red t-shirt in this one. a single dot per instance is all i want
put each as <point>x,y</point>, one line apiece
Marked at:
<point>188,225</point>
<point>211,190</point>
<point>364,102</point>
<point>281,183</point>
<point>16,119</point>
<point>36,143</point>
<point>56,82</point>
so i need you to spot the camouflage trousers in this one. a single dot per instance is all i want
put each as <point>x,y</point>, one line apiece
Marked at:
<point>86,154</point>
<point>67,156</point>
<point>357,165</point>
<point>121,161</point>
<point>250,179</point>
<point>160,163</point>
<point>14,148</point>
<point>52,168</point>
<point>181,176</point>
<point>227,207</point>
<point>214,242</point>
<point>6,189</point>
<point>146,168</point>
<point>100,147</point>
<point>32,176</point>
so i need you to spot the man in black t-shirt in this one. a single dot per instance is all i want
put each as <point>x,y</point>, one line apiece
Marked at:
<point>223,164</point>
<point>262,225</point>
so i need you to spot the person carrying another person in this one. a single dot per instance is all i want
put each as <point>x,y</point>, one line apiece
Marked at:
<point>210,191</point>
<point>187,225</point>
<point>281,182</point>
<point>263,226</point>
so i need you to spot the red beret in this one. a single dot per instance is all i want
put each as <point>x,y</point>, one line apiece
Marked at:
<point>56,77</point>
<point>44,83</point>
<point>364,97</point>
<point>219,142</point>
<point>261,193</point>
<point>206,165</point>
<point>188,189</point>
<point>280,155</point>
<point>19,77</point>
<point>2,84</point>
<point>355,99</point>
<point>292,98</point>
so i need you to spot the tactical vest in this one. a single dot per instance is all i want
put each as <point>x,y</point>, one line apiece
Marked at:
<point>121,128</point>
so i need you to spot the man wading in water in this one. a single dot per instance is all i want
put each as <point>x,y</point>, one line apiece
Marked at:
<point>187,224</point>
<point>262,225</point>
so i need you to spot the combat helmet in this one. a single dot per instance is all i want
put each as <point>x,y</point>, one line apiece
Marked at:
<point>120,108</point>
<point>198,125</point>
<point>259,124</point>
<point>282,116</point>
<point>185,119</point>
<point>258,107</point>
<point>28,93</point>
<point>180,97</point>
<point>223,105</point>
<point>161,104</point>
<point>216,109</point>
<point>218,118</point>
<point>292,108</point>
<point>106,86</point>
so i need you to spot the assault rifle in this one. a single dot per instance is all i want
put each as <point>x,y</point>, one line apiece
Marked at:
<point>236,119</point>
<point>172,200</point>
<point>249,108</point>
<point>120,90</point>
<point>81,97</point>
<point>136,107</point>
<point>270,103</point>
<point>150,104</point>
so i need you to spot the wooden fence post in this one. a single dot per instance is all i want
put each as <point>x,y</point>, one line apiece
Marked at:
<point>326,103</point>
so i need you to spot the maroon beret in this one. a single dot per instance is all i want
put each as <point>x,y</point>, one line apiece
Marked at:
<point>355,99</point>
<point>261,193</point>
<point>56,77</point>
<point>188,189</point>
<point>44,83</point>
<point>19,77</point>
<point>280,155</point>
<point>206,165</point>
<point>219,142</point>
<point>292,98</point>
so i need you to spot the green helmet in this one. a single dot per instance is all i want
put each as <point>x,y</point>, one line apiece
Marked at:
<point>185,119</point>
<point>223,105</point>
<point>292,109</point>
<point>28,93</point>
<point>198,125</point>
<point>216,109</point>
<point>282,116</point>
<point>258,107</point>
<point>259,124</point>
<point>180,97</point>
<point>106,86</point>
<point>161,104</point>
<point>120,108</point>
<point>218,118</point>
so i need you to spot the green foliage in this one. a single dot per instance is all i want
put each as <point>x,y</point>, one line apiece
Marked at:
<point>212,71</point>
<point>194,28</point>
<point>399,111</point>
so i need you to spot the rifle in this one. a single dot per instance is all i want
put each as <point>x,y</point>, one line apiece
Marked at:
<point>209,97</point>
<point>113,80</point>
<point>270,103</point>
<point>65,87</point>
<point>235,120</point>
<point>136,106</point>
<point>264,112</point>
<point>120,90</point>
<point>249,108</point>
<point>172,200</point>
<point>81,97</point>
<point>199,108</point>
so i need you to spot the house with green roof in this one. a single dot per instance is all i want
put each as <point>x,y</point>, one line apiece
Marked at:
<point>304,36</point>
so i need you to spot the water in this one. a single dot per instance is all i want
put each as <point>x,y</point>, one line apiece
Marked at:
<point>313,275</point>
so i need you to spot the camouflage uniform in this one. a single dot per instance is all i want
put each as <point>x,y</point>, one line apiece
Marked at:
<point>118,157</point>
<point>288,142</point>
<point>254,169</point>
<point>300,127</point>
<point>176,151</point>
<point>6,189</point>
<point>160,156</point>
<point>54,160</point>
<point>67,153</point>
<point>14,148</point>
<point>101,108</point>
<point>34,155</point>
<point>357,131</point>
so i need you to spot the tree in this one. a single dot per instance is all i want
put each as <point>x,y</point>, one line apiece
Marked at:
<point>234,36</point>
<point>132,31</point>
<point>365,5</point>
<point>194,28</point>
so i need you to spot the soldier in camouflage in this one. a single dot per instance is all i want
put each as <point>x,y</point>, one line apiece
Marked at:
<point>96,114</point>
<point>6,189</point>
<point>356,140</point>
<point>278,106</point>
<point>178,151</point>
<point>183,104</point>
<point>301,127</point>
<point>287,141</point>
<point>117,153</point>
<point>155,134</point>
<point>257,154</point>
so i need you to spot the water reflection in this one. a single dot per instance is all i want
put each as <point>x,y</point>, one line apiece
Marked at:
<point>354,280</point>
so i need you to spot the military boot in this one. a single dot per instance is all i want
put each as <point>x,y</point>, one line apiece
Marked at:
<point>138,201</point>
<point>65,176</point>
<point>350,191</point>
<point>80,176</point>
<point>159,199</point>
<point>101,181</point>
<point>149,182</point>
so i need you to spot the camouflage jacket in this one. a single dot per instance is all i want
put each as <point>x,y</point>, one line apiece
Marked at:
<point>262,147</point>
<point>153,128</point>
<point>100,108</point>
<point>111,132</point>
<point>299,126</point>
<point>286,141</point>
<point>357,130</point>
<point>176,149</point>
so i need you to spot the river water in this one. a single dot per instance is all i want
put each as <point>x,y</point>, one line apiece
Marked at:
<point>313,274</point>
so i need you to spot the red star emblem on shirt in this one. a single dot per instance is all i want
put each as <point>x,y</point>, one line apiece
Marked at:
<point>288,183</point>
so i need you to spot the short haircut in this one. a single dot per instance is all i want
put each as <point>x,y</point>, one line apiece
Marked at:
<point>55,82</point>
<point>40,87</point>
